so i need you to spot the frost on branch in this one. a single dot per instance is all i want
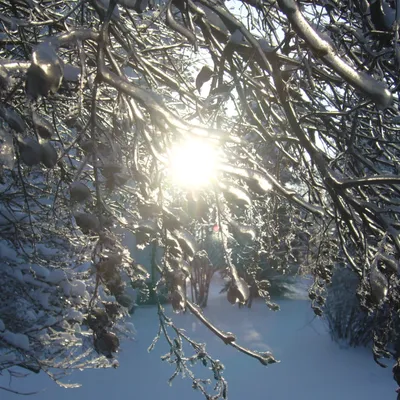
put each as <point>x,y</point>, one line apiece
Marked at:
<point>45,74</point>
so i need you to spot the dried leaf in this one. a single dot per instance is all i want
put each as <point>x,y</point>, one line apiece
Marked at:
<point>198,208</point>
<point>257,181</point>
<point>174,218</point>
<point>106,343</point>
<point>43,127</point>
<point>178,300</point>
<point>272,306</point>
<point>142,239</point>
<point>238,291</point>
<point>264,284</point>
<point>268,358</point>
<point>49,155</point>
<point>173,246</point>
<point>68,385</point>
<point>133,4</point>
<point>149,210</point>
<point>186,241</point>
<point>87,222</point>
<point>223,89</point>
<point>148,226</point>
<point>119,179</point>
<point>244,234</point>
<point>98,319</point>
<point>79,192</point>
<point>110,169</point>
<point>173,24</point>
<point>237,38</point>
<point>30,151</point>
<point>13,119</point>
<point>125,300</point>
<point>378,283</point>
<point>46,71</point>
<point>71,73</point>
<point>235,194</point>
<point>203,76</point>
<point>103,7</point>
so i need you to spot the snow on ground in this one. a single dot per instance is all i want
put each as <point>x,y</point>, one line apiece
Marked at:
<point>312,366</point>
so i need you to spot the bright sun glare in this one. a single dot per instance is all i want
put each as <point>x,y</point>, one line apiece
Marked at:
<point>193,163</point>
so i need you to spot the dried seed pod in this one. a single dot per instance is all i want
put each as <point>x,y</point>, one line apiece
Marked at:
<point>317,311</point>
<point>112,309</point>
<point>118,179</point>
<point>140,269</point>
<point>265,284</point>
<point>125,300</point>
<point>106,343</point>
<point>43,127</point>
<point>79,192</point>
<point>114,282</point>
<point>107,221</point>
<point>71,73</point>
<point>178,300</point>
<point>30,151</point>
<point>110,169</point>
<point>49,155</point>
<point>238,291</point>
<point>244,234</point>
<point>396,371</point>
<point>102,7</point>
<point>379,285</point>
<point>87,145</point>
<point>186,241</point>
<point>73,120</point>
<point>98,320</point>
<point>45,73</point>
<point>107,239</point>
<point>13,119</point>
<point>87,222</point>
<point>231,295</point>
<point>110,263</point>
<point>235,193</point>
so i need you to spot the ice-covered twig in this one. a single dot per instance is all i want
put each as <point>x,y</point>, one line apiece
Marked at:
<point>375,90</point>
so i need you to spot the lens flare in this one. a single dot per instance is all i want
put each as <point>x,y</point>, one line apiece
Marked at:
<point>193,163</point>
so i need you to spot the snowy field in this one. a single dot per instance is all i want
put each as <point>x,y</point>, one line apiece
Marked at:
<point>312,366</point>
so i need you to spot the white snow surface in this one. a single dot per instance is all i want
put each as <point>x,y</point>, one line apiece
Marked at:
<point>56,276</point>
<point>78,288</point>
<point>40,271</point>
<point>6,251</point>
<point>312,366</point>
<point>16,339</point>
<point>75,315</point>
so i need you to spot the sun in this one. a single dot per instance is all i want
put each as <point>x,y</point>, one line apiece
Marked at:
<point>192,163</point>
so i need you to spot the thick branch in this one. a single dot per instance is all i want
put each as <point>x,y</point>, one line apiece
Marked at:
<point>375,90</point>
<point>230,339</point>
<point>373,180</point>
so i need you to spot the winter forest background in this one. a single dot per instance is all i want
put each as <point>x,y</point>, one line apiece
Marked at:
<point>206,158</point>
